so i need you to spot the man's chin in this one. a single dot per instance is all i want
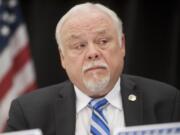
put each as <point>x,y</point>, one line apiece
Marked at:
<point>97,85</point>
<point>95,77</point>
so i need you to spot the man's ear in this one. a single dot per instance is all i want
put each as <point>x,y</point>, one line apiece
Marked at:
<point>123,41</point>
<point>123,44</point>
<point>62,59</point>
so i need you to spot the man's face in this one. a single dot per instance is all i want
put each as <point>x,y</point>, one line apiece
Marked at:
<point>91,53</point>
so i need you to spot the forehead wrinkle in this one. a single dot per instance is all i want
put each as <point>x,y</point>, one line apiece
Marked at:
<point>77,25</point>
<point>70,37</point>
<point>77,18</point>
<point>77,28</point>
<point>75,36</point>
<point>101,31</point>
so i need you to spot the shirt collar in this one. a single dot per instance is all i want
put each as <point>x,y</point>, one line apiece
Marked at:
<point>113,97</point>
<point>82,99</point>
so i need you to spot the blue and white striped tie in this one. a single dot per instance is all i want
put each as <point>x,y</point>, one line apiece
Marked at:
<point>99,124</point>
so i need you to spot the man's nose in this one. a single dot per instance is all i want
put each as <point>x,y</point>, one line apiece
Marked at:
<point>93,53</point>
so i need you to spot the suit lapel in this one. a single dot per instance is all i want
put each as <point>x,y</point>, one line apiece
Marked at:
<point>65,111</point>
<point>132,105</point>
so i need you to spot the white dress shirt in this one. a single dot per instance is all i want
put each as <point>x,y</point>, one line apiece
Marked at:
<point>113,112</point>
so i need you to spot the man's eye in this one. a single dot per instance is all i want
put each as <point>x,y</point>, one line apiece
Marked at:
<point>103,41</point>
<point>80,46</point>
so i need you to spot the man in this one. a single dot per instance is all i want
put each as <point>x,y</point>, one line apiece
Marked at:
<point>92,50</point>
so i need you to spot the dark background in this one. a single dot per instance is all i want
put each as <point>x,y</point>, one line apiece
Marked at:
<point>152,30</point>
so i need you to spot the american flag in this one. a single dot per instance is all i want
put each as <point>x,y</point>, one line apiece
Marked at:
<point>17,74</point>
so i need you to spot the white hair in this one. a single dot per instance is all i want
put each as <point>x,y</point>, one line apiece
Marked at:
<point>83,7</point>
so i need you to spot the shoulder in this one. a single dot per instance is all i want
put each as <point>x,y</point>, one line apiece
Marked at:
<point>150,87</point>
<point>34,109</point>
<point>39,103</point>
<point>146,82</point>
<point>44,95</point>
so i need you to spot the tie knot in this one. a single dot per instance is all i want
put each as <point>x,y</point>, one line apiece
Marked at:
<point>98,104</point>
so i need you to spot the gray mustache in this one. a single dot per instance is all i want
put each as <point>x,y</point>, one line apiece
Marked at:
<point>94,64</point>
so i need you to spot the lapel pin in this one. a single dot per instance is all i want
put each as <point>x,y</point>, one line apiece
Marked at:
<point>132,97</point>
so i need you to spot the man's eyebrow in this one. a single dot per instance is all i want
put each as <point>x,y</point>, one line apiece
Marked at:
<point>72,37</point>
<point>75,36</point>
<point>101,31</point>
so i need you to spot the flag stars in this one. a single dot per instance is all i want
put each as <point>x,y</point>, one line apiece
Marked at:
<point>4,31</point>
<point>12,3</point>
<point>9,18</point>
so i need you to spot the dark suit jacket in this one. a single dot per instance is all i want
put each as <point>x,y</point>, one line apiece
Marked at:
<point>52,109</point>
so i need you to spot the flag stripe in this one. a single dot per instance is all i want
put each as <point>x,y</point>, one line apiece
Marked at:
<point>19,61</point>
<point>17,90</point>
<point>17,74</point>
<point>16,43</point>
<point>30,87</point>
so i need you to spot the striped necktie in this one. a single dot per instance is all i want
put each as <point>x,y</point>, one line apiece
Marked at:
<point>99,124</point>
